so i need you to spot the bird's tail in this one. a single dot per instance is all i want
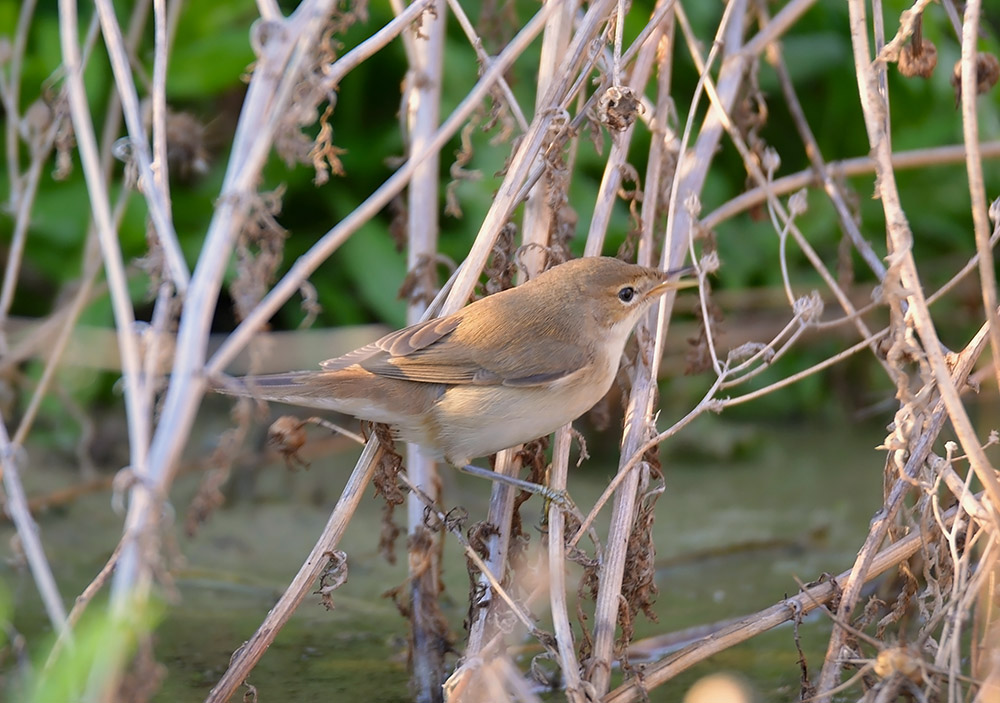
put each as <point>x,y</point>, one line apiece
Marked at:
<point>305,388</point>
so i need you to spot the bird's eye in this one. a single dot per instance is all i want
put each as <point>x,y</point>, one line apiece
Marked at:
<point>626,294</point>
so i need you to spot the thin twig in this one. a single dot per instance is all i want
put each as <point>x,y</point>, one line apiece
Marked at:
<point>607,191</point>
<point>421,104</point>
<point>160,166</point>
<point>477,45</point>
<point>80,606</point>
<point>138,417</point>
<point>27,532</point>
<point>916,158</point>
<point>11,95</point>
<point>557,572</point>
<point>159,208</point>
<point>833,191</point>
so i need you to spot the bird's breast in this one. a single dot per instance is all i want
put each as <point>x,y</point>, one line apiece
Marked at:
<point>474,421</point>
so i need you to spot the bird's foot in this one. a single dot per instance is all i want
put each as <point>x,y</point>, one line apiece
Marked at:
<point>559,497</point>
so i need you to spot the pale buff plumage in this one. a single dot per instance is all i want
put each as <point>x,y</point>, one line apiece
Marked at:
<point>506,369</point>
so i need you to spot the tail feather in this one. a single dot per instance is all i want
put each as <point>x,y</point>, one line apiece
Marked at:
<point>406,405</point>
<point>295,388</point>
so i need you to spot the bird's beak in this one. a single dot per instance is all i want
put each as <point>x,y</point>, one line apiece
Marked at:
<point>678,284</point>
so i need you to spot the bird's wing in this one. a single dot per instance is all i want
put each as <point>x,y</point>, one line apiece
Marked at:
<point>429,352</point>
<point>399,343</point>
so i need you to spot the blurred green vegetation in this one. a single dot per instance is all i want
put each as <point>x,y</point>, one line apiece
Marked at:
<point>212,53</point>
<point>76,667</point>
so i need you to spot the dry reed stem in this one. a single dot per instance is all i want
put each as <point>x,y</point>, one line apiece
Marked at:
<point>561,624</point>
<point>535,230</point>
<point>974,167</point>
<point>138,414</point>
<point>638,412</point>
<point>159,166</point>
<point>421,103</point>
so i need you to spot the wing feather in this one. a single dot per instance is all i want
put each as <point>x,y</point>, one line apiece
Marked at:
<point>460,350</point>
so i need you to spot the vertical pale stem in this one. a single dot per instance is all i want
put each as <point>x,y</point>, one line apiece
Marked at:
<point>537,213</point>
<point>688,181</point>
<point>974,166</point>
<point>422,104</point>
<point>557,572</point>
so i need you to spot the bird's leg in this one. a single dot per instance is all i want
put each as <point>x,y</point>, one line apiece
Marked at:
<point>560,498</point>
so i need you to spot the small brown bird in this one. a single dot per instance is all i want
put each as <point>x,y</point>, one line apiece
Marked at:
<point>504,370</point>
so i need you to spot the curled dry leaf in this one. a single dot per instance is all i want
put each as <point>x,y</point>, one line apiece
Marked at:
<point>333,577</point>
<point>36,121</point>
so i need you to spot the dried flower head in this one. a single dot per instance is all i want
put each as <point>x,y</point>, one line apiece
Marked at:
<point>618,108</point>
<point>918,59</point>
<point>987,73</point>
<point>287,435</point>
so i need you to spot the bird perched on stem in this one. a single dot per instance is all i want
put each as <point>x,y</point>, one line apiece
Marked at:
<point>501,371</point>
